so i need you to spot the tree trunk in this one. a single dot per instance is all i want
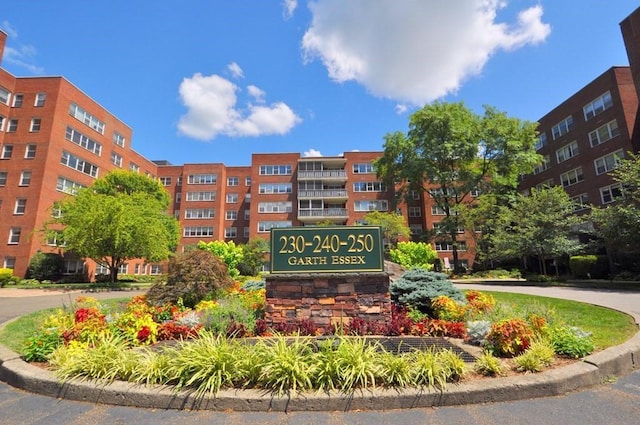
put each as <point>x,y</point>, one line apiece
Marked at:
<point>113,272</point>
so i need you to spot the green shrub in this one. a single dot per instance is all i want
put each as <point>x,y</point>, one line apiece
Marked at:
<point>45,266</point>
<point>228,316</point>
<point>477,331</point>
<point>581,265</point>
<point>228,252</point>
<point>39,347</point>
<point>6,277</point>
<point>417,288</point>
<point>571,341</point>
<point>193,276</point>
<point>488,365</point>
<point>536,358</point>
<point>414,254</point>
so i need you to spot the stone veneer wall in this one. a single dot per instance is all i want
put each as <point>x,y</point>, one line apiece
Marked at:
<point>328,299</point>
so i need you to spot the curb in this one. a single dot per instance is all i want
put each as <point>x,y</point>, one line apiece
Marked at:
<point>594,369</point>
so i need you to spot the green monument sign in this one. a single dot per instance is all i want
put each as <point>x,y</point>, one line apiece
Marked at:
<point>326,249</point>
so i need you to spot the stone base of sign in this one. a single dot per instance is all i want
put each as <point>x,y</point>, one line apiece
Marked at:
<point>329,300</point>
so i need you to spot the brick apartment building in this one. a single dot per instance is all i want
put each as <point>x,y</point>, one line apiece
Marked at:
<point>54,139</point>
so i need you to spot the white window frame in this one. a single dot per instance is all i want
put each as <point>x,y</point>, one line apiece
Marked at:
<point>79,164</point>
<point>608,162</point>
<point>197,231</point>
<point>74,136</point>
<point>266,226</point>
<point>231,215</point>
<point>14,235</point>
<point>40,100</point>
<point>572,177</point>
<point>275,207</point>
<point>608,195</point>
<point>5,96</point>
<point>274,188</point>
<point>166,181</point>
<point>116,159</point>
<point>363,168</point>
<point>567,152</point>
<point>12,126</point>
<point>199,213</point>
<point>562,128</point>
<point>276,170</point>
<point>119,139</point>
<point>597,106</point>
<point>20,206</point>
<point>7,152</point>
<point>208,178</point>
<point>365,205</point>
<point>205,196</point>
<point>3,178</point>
<point>30,151</point>
<point>414,211</point>
<point>86,118</point>
<point>18,99</point>
<point>231,232</point>
<point>604,133</point>
<point>36,125</point>
<point>25,178</point>
<point>232,198</point>
<point>68,186</point>
<point>233,181</point>
<point>369,187</point>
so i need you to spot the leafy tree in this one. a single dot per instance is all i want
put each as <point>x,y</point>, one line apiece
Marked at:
<point>618,225</point>
<point>253,256</point>
<point>451,153</point>
<point>118,219</point>
<point>541,224</point>
<point>393,225</point>
<point>228,252</point>
<point>414,254</point>
<point>45,266</point>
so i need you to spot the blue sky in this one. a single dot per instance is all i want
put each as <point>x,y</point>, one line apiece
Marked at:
<point>214,81</point>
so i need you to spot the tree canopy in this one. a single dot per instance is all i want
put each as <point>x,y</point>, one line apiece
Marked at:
<point>122,216</point>
<point>452,154</point>
<point>392,225</point>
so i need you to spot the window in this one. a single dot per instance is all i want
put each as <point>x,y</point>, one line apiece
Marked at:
<point>268,188</point>
<point>25,178</point>
<point>415,212</point>
<point>546,163</point>
<point>116,159</point>
<point>202,179</point>
<point>40,99</point>
<point>581,202</point>
<point>166,181</point>
<point>118,139</point>
<point>415,195</point>
<point>604,133</point>
<point>275,207</point>
<point>231,215</point>
<point>68,186</point>
<point>247,181</point>
<point>201,196</point>
<point>3,178</point>
<point>572,177</point>
<point>232,198</point>
<point>83,116</point>
<point>5,95</point>
<point>55,239</point>
<point>136,268</point>
<point>437,210</point>
<point>611,193</point>
<point>567,151</point>
<point>275,170</point>
<point>607,163</point>
<point>13,126</point>
<point>245,232</point>
<point>230,232</point>
<point>78,164</point>
<point>2,120</point>
<point>416,229</point>
<point>369,187</point>
<point>179,181</point>
<point>17,100</point>
<point>155,269</point>
<point>9,262</point>
<point>247,214</point>
<point>20,207</point>
<point>448,246</point>
<point>198,231</point>
<point>83,141</point>
<point>597,106</point>
<point>562,128</point>
<point>542,141</point>
<point>232,181</point>
<point>266,226</point>
<point>374,205</point>
<point>178,197</point>
<point>134,167</point>
<point>545,184</point>
<point>364,168</point>
<point>30,151</point>
<point>102,269</point>
<point>194,213</point>
<point>73,267</point>
<point>14,235</point>
<point>56,212</point>
<point>36,123</point>
<point>7,151</point>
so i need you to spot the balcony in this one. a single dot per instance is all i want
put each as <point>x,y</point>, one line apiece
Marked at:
<point>322,194</point>
<point>333,214</point>
<point>336,175</point>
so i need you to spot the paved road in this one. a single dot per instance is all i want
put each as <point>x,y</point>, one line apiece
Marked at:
<point>611,403</point>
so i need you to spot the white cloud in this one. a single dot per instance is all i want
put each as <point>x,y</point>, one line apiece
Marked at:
<point>289,7</point>
<point>235,70</point>
<point>312,153</point>
<point>21,56</point>
<point>213,110</point>
<point>414,51</point>
<point>256,93</point>
<point>401,109</point>
<point>8,28</point>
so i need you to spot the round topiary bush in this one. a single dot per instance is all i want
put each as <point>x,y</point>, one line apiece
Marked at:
<point>193,276</point>
<point>417,288</point>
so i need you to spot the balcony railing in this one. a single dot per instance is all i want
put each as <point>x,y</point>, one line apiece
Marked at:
<point>322,193</point>
<point>323,213</point>
<point>323,175</point>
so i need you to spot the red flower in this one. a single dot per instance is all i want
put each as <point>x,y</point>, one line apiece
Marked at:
<point>143,334</point>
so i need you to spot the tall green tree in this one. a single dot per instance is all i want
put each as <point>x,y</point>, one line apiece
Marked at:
<point>452,153</point>
<point>122,216</point>
<point>542,225</point>
<point>392,225</point>
<point>618,225</point>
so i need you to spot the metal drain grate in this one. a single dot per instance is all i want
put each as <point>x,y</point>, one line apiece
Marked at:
<point>407,344</point>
